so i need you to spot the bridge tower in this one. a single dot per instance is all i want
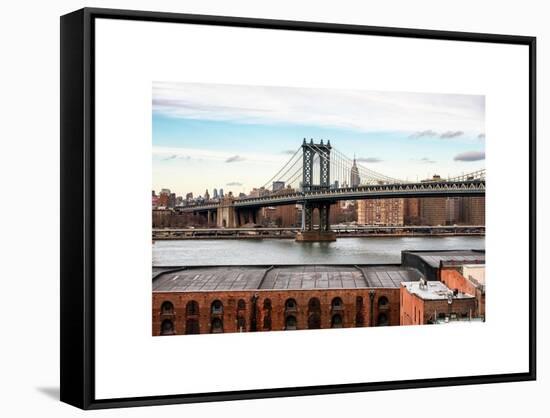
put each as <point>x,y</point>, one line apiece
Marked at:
<point>323,233</point>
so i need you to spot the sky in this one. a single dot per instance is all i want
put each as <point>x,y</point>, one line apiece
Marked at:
<point>237,137</point>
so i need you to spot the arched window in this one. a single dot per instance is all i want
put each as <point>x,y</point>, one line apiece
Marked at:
<point>217,326</point>
<point>267,323</point>
<point>241,324</point>
<point>290,322</point>
<point>167,327</point>
<point>314,321</point>
<point>359,319</point>
<point>382,320</point>
<point>192,308</point>
<point>290,305</point>
<point>241,304</point>
<point>314,305</point>
<point>167,308</point>
<point>192,326</point>
<point>337,304</point>
<point>336,321</point>
<point>359,302</point>
<point>267,303</point>
<point>217,307</point>
<point>383,302</point>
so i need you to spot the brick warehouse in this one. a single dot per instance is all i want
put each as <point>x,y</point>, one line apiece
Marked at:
<point>203,300</point>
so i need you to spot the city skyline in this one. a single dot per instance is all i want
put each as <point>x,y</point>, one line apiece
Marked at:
<point>236,137</point>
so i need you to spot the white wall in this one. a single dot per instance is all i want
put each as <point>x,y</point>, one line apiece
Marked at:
<point>29,221</point>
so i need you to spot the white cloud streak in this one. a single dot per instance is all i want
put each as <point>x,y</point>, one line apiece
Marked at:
<point>348,109</point>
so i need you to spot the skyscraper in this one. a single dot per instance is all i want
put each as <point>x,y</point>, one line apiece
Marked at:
<point>355,180</point>
<point>215,193</point>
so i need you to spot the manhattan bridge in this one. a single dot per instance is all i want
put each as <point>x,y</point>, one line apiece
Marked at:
<point>316,176</point>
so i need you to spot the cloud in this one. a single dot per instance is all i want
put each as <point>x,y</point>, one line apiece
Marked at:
<point>470,156</point>
<point>426,160</point>
<point>481,136</point>
<point>422,134</point>
<point>451,134</point>
<point>359,110</point>
<point>234,159</point>
<point>288,151</point>
<point>234,183</point>
<point>369,160</point>
<point>171,157</point>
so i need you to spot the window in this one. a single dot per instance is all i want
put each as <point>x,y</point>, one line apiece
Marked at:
<point>359,320</point>
<point>383,302</point>
<point>241,324</point>
<point>290,322</point>
<point>217,307</point>
<point>267,323</point>
<point>217,326</point>
<point>290,305</point>
<point>359,302</point>
<point>336,321</point>
<point>337,304</point>
<point>167,308</point>
<point>382,320</point>
<point>241,304</point>
<point>192,308</point>
<point>314,321</point>
<point>267,303</point>
<point>192,326</point>
<point>167,327</point>
<point>314,305</point>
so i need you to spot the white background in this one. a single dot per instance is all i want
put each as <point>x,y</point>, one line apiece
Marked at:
<point>29,218</point>
<point>130,55</point>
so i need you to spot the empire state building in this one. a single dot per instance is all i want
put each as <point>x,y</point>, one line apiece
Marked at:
<point>355,180</point>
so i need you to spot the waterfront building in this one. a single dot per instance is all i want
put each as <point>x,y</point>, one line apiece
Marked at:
<point>206,195</point>
<point>215,193</point>
<point>433,211</point>
<point>382,212</point>
<point>473,210</point>
<point>202,300</point>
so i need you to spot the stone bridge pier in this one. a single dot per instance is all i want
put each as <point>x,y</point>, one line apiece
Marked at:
<point>323,232</point>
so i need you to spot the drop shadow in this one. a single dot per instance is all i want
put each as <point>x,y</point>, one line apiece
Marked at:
<point>50,391</point>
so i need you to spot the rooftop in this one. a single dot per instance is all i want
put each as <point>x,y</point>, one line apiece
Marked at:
<point>434,258</point>
<point>198,279</point>
<point>432,290</point>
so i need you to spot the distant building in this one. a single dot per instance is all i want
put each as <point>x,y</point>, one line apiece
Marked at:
<point>206,195</point>
<point>433,211</point>
<point>411,211</point>
<point>453,208</point>
<point>383,212</point>
<point>355,179</point>
<point>282,216</point>
<point>154,200</point>
<point>473,210</point>
<point>278,185</point>
<point>189,196</point>
<point>221,195</point>
<point>215,193</point>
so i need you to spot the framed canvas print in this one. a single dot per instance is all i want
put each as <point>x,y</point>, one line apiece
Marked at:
<point>257,208</point>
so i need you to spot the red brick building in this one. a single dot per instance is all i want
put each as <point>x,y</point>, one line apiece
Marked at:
<point>201,300</point>
<point>241,299</point>
<point>426,302</point>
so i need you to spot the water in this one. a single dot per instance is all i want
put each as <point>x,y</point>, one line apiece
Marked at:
<point>286,251</point>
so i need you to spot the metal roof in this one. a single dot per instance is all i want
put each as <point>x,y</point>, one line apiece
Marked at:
<point>197,279</point>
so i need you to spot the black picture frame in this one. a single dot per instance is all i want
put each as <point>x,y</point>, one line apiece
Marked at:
<point>77,341</point>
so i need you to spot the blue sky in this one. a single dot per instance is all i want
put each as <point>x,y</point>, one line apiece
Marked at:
<point>209,136</point>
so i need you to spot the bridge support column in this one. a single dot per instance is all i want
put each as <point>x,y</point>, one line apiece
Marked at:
<point>323,233</point>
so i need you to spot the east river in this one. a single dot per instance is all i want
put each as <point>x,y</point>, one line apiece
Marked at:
<point>371,250</point>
